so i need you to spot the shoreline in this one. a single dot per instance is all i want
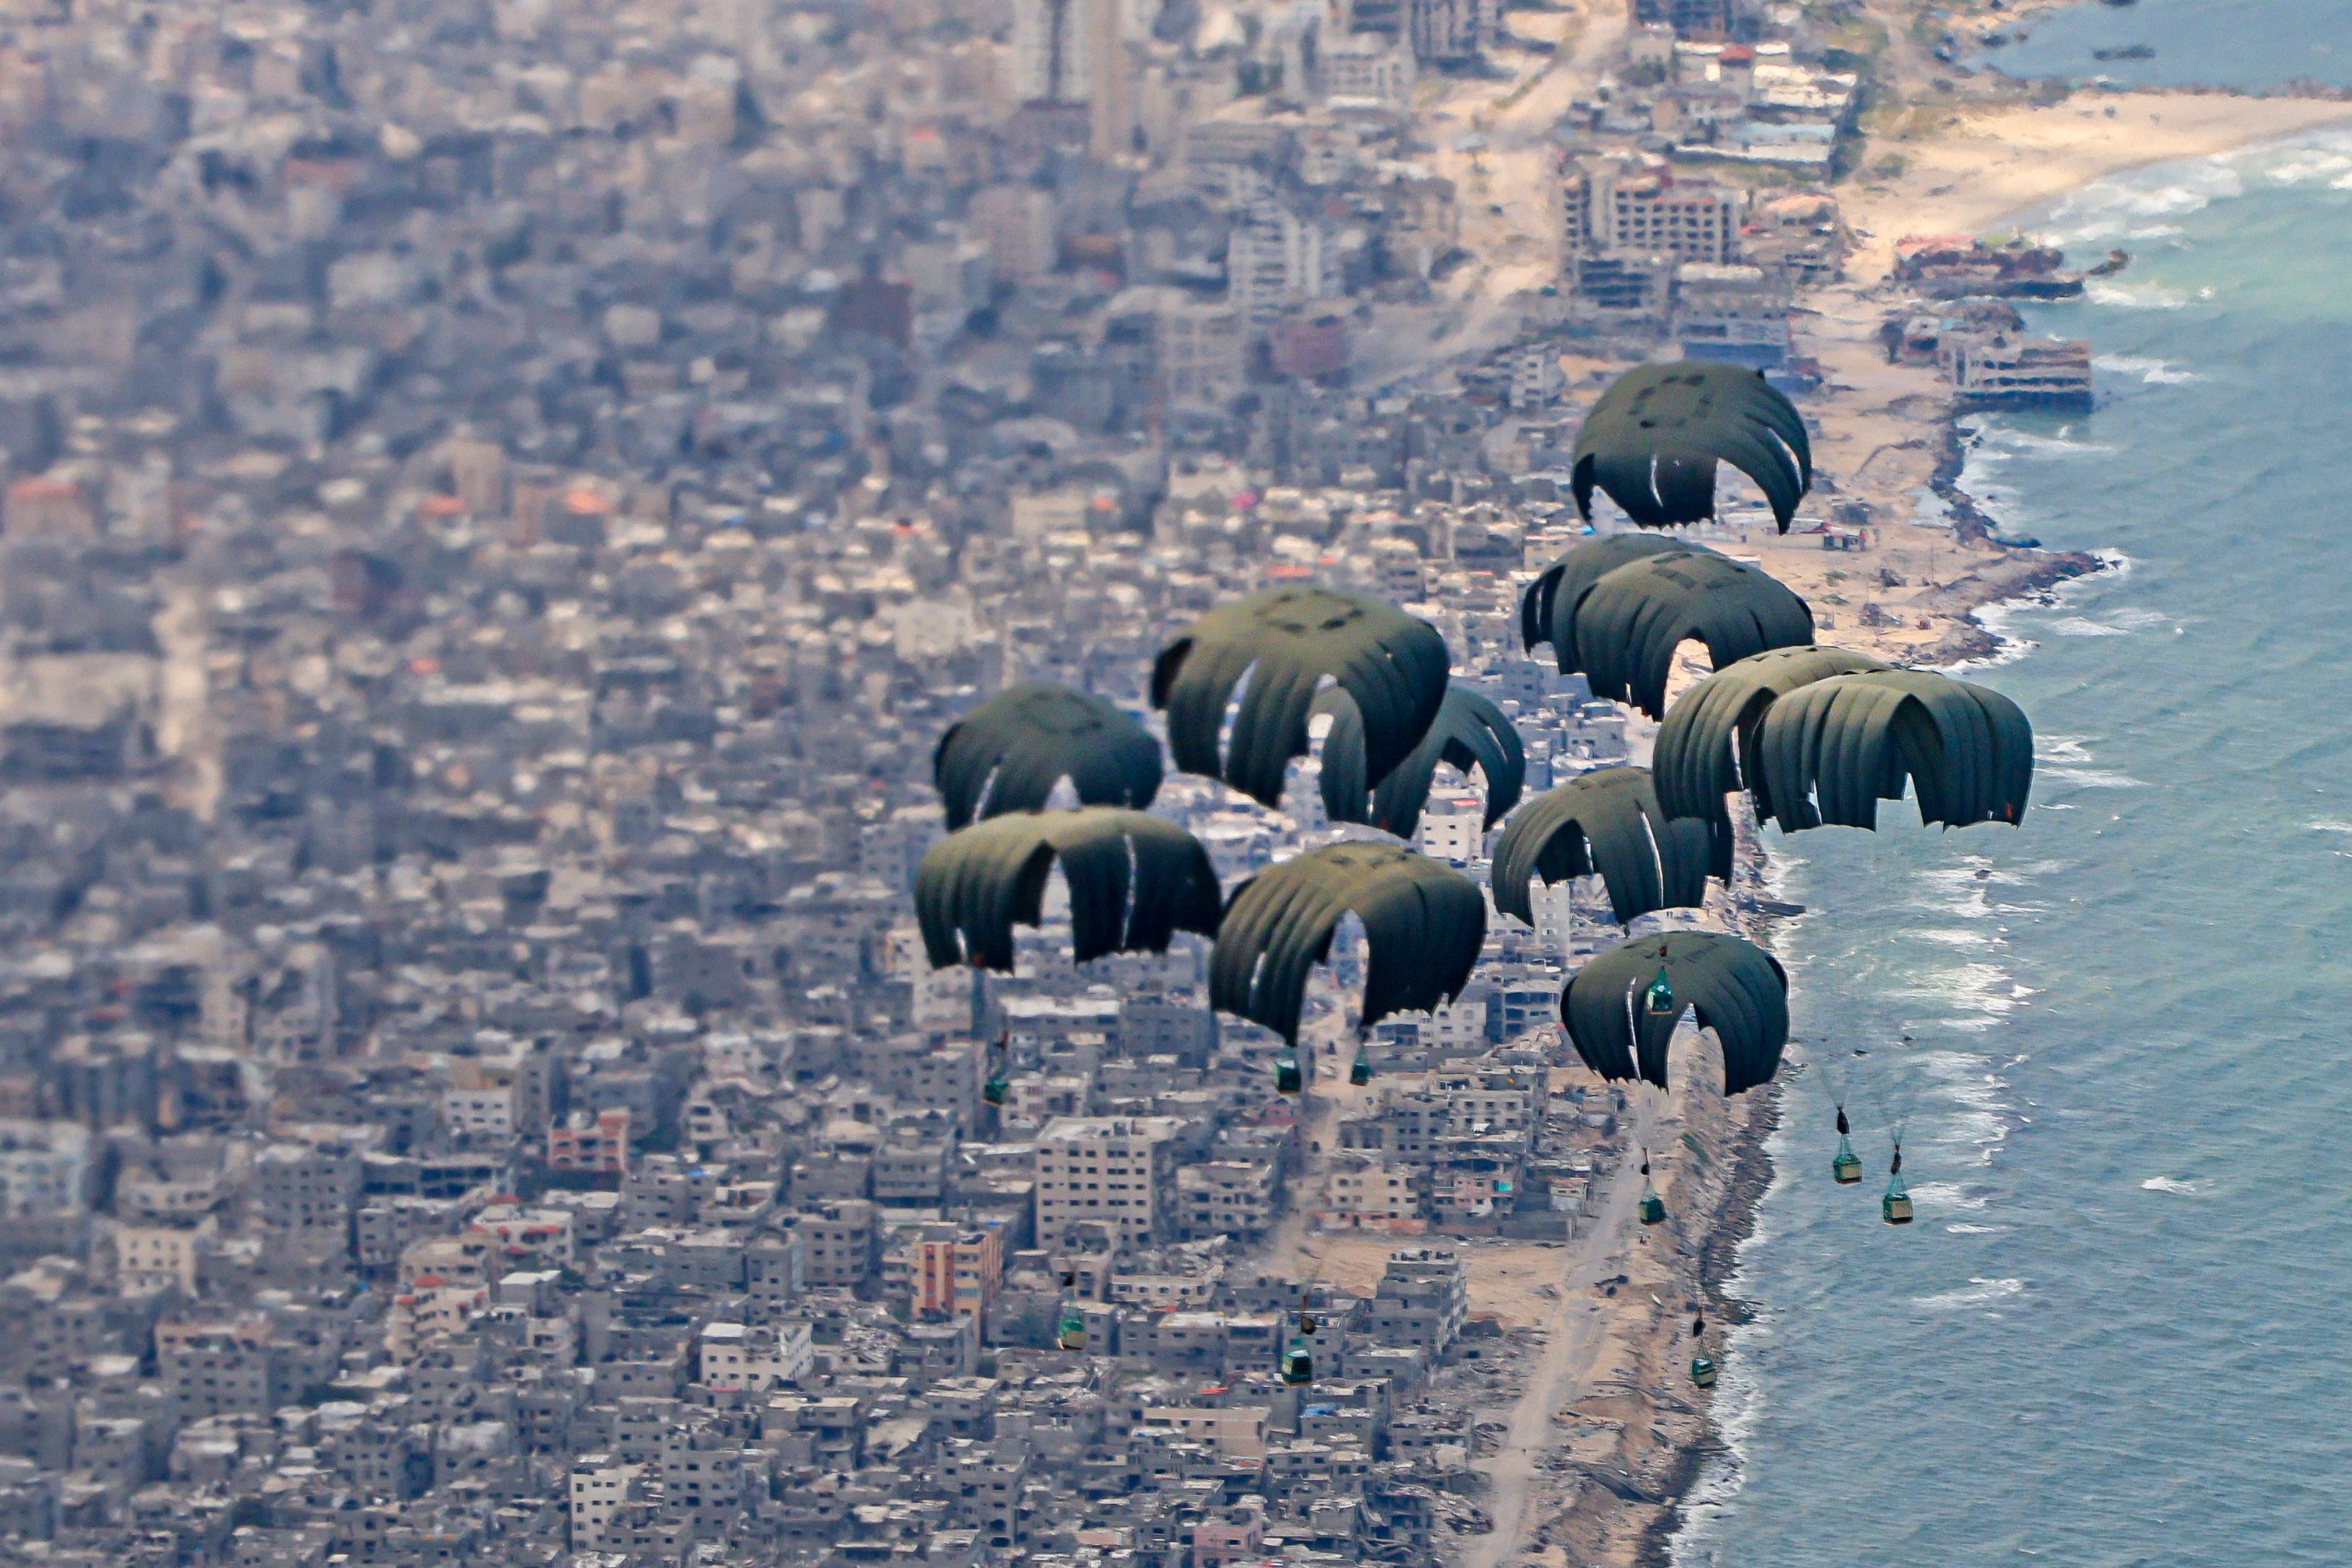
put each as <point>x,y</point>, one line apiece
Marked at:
<point>1972,152</point>
<point>1623,1507</point>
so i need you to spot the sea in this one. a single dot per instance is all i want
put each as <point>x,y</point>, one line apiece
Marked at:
<point>2117,1039</point>
<point>2250,45</point>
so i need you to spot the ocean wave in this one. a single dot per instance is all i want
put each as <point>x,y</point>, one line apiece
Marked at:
<point>1968,987</point>
<point>2009,441</point>
<point>2112,209</point>
<point>1961,1228</point>
<point>2151,371</point>
<point>2091,778</point>
<point>2000,620</point>
<point>1981,1292</point>
<point>2082,626</point>
<point>2307,164</point>
<point>2146,296</point>
<point>2171,1184</point>
<point>2325,824</point>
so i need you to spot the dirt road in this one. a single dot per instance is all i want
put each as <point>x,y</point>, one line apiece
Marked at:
<point>1559,1378</point>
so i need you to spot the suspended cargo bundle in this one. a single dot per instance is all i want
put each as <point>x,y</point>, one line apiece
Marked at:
<point>1614,1018</point>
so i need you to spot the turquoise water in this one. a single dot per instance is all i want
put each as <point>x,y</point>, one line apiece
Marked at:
<point>2197,43</point>
<point>2113,1337</point>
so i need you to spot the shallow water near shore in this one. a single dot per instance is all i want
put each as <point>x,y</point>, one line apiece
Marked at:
<point>2109,1339</point>
<point>2199,43</point>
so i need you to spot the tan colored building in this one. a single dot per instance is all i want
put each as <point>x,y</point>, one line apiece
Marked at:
<point>1237,1432</point>
<point>1117,1170</point>
<point>148,1258</point>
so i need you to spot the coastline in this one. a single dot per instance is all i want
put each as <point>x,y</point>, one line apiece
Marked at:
<point>1637,1440</point>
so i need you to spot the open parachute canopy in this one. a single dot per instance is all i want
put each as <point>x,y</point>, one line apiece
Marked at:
<point>1548,607</point>
<point>1135,880</point>
<point>1738,990</point>
<point>1470,732</point>
<point>1655,437</point>
<point>1607,824</point>
<point>1705,748</point>
<point>1286,641</point>
<point>1008,753</point>
<point>1622,631</point>
<point>1829,751</point>
<point>1423,924</point>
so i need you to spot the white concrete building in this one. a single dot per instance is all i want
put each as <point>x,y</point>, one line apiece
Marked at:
<point>753,1357</point>
<point>1118,1169</point>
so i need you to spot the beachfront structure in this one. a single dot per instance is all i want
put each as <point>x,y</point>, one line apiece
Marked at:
<point>2002,370</point>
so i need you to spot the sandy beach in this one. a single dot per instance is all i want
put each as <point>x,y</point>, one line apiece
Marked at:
<point>1976,169</point>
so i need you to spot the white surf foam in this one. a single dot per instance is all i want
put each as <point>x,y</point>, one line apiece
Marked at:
<point>1981,1292</point>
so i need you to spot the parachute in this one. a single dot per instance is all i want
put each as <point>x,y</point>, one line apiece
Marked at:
<point>1008,753</point>
<point>1738,990</point>
<point>1548,607</point>
<point>1286,641</point>
<point>1629,625</point>
<point>1609,823</point>
<point>1655,437</point>
<point>1423,921</point>
<point>1135,880</point>
<point>1470,732</point>
<point>1829,752</point>
<point>1705,748</point>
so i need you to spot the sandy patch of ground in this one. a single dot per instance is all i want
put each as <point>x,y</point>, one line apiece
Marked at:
<point>1980,167</point>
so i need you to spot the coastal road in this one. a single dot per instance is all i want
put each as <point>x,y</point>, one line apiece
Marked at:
<point>1559,1378</point>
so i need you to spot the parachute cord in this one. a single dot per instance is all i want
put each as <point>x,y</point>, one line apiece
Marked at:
<point>1839,1086</point>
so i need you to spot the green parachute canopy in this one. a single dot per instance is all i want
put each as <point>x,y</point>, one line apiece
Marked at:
<point>1135,880</point>
<point>1548,607</point>
<point>1706,747</point>
<point>1738,990</point>
<point>1422,921</point>
<point>1607,824</point>
<point>1655,437</point>
<point>1470,732</point>
<point>1829,751</point>
<point>1286,641</point>
<point>1008,753</point>
<point>1628,625</point>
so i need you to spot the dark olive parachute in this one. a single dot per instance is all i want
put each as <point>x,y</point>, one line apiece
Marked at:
<point>1548,609</point>
<point>1829,751</point>
<point>1655,437</point>
<point>1739,991</point>
<point>1424,922</point>
<point>1470,732</point>
<point>1135,880</point>
<point>1629,624</point>
<point>1286,641</point>
<point>1705,749</point>
<point>1607,824</point>
<point>1008,753</point>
